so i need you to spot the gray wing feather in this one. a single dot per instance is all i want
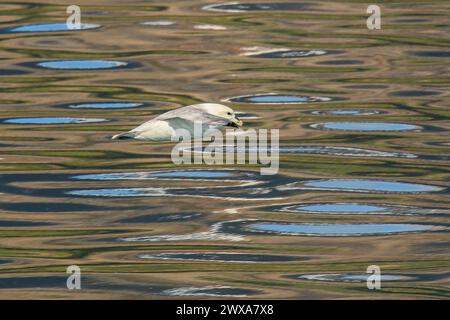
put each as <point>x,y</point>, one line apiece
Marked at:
<point>190,113</point>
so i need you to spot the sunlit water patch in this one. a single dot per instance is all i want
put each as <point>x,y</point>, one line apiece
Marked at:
<point>345,112</point>
<point>366,126</point>
<point>280,53</point>
<point>352,277</point>
<point>159,23</point>
<point>360,277</point>
<point>255,227</point>
<point>210,291</point>
<point>52,120</point>
<point>356,209</point>
<point>220,257</point>
<point>104,105</point>
<point>49,27</point>
<point>370,185</point>
<point>361,185</point>
<point>335,229</point>
<point>82,64</point>
<point>244,7</point>
<point>209,27</point>
<point>338,208</point>
<point>274,98</point>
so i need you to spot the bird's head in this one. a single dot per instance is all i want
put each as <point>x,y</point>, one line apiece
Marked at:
<point>222,111</point>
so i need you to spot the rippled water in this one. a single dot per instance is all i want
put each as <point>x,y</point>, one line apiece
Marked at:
<point>341,208</point>
<point>81,64</point>
<point>354,277</point>
<point>273,98</point>
<point>367,126</point>
<point>224,257</point>
<point>371,185</point>
<point>49,27</point>
<point>105,105</point>
<point>209,291</point>
<point>339,151</point>
<point>344,112</point>
<point>338,229</point>
<point>52,120</point>
<point>364,150</point>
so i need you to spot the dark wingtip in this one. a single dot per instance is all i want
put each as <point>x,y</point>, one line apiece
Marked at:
<point>232,124</point>
<point>123,136</point>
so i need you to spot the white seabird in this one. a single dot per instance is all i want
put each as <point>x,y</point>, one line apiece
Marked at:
<point>211,116</point>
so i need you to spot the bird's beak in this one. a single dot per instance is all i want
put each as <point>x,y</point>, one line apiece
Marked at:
<point>236,122</point>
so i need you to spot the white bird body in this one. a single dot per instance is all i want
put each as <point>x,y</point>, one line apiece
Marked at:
<point>211,116</point>
<point>155,130</point>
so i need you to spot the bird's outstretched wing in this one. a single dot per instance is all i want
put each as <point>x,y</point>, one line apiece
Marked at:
<point>192,114</point>
<point>163,127</point>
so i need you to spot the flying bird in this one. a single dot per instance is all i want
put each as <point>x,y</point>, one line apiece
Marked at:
<point>211,116</point>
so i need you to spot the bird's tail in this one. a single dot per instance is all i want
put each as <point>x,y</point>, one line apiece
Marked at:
<point>124,136</point>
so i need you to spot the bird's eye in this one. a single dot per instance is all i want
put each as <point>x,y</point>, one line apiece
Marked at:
<point>229,113</point>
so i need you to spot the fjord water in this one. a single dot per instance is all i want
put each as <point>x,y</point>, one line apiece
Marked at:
<point>363,179</point>
<point>104,105</point>
<point>371,185</point>
<point>353,277</point>
<point>340,208</point>
<point>81,64</point>
<point>368,126</point>
<point>52,120</point>
<point>338,229</point>
<point>48,27</point>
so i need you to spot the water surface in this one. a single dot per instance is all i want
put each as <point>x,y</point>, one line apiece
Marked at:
<point>339,208</point>
<point>161,218</point>
<point>48,27</point>
<point>371,185</point>
<point>338,229</point>
<point>81,64</point>
<point>221,257</point>
<point>105,105</point>
<point>325,150</point>
<point>176,174</point>
<point>210,291</point>
<point>346,112</point>
<point>284,65</point>
<point>159,23</point>
<point>366,126</point>
<point>267,6</point>
<point>354,277</point>
<point>52,120</point>
<point>277,99</point>
<point>287,53</point>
